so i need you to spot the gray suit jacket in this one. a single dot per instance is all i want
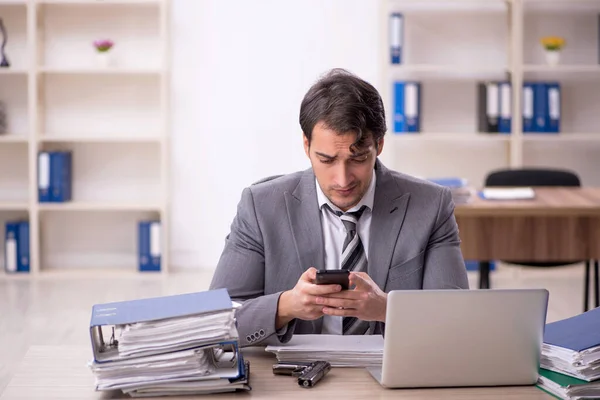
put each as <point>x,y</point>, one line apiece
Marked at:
<point>277,235</point>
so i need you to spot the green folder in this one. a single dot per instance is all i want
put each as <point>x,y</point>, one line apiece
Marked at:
<point>566,386</point>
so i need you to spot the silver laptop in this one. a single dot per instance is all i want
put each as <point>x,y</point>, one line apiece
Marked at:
<point>457,338</point>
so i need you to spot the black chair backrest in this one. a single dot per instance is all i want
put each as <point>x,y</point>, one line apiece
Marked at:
<point>532,177</point>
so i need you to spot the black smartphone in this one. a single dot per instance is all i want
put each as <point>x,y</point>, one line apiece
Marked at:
<point>333,277</point>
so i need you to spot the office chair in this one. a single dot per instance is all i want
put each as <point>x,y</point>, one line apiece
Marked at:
<point>538,177</point>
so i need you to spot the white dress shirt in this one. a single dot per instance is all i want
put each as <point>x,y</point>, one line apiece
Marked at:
<point>334,234</point>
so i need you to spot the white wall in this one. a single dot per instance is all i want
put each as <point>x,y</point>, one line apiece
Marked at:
<point>240,70</point>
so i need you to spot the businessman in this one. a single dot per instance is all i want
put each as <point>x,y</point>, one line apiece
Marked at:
<point>392,231</point>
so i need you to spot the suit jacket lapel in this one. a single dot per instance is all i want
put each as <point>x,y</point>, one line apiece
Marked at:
<point>305,222</point>
<point>389,209</point>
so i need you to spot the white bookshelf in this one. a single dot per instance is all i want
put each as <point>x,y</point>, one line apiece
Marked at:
<point>450,45</point>
<point>115,119</point>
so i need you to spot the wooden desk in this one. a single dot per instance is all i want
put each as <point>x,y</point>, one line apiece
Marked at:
<point>60,372</point>
<point>559,225</point>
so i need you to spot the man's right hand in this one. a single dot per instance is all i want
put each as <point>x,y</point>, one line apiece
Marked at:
<point>300,302</point>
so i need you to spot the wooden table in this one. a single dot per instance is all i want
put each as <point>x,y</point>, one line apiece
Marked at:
<point>559,225</point>
<point>60,372</point>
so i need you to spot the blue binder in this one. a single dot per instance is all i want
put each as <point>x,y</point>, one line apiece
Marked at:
<point>504,123</point>
<point>43,177</point>
<point>55,176</point>
<point>540,107</point>
<point>149,246</point>
<point>407,107</point>
<point>528,107</point>
<point>396,37</point>
<point>16,247</point>
<point>554,107</point>
<point>150,309</point>
<point>60,176</point>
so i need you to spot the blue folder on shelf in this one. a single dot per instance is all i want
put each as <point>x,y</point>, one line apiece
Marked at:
<point>16,247</point>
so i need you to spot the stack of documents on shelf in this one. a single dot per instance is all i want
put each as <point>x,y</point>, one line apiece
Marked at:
<point>339,350</point>
<point>461,192</point>
<point>518,193</point>
<point>571,350</point>
<point>173,345</point>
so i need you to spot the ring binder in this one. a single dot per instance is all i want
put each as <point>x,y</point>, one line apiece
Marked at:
<point>182,344</point>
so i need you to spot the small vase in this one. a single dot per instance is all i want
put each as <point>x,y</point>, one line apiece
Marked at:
<point>103,59</point>
<point>552,57</point>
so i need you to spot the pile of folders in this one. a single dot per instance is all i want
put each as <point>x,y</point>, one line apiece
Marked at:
<point>173,345</point>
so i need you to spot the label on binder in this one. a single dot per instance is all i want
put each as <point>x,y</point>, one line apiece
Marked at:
<point>411,101</point>
<point>155,239</point>
<point>493,107</point>
<point>44,170</point>
<point>554,103</point>
<point>11,255</point>
<point>528,102</point>
<point>505,103</point>
<point>396,30</point>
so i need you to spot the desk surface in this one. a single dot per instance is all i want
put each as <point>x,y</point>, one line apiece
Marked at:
<point>60,372</point>
<point>577,201</point>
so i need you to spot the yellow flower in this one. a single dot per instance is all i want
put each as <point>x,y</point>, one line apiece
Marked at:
<point>553,42</point>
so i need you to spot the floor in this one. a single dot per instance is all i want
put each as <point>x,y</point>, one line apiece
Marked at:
<point>56,310</point>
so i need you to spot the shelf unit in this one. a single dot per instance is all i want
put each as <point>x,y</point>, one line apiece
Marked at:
<point>450,45</point>
<point>114,118</point>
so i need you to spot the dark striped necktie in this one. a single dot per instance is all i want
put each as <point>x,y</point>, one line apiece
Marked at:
<point>353,258</point>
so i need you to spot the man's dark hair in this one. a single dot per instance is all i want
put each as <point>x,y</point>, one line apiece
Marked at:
<point>344,103</point>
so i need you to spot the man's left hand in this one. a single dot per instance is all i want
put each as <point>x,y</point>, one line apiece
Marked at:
<point>366,301</point>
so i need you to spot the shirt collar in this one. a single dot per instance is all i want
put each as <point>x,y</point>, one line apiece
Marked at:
<point>367,199</point>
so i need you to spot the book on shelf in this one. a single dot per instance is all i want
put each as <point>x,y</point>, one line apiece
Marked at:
<point>55,172</point>
<point>407,106</point>
<point>16,247</point>
<point>149,245</point>
<point>185,344</point>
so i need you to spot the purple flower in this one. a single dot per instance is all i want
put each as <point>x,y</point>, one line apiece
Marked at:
<point>103,45</point>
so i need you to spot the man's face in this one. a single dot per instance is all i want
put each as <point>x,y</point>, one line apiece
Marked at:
<point>343,176</point>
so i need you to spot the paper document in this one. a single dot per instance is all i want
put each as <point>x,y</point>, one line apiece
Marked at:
<point>508,193</point>
<point>339,350</point>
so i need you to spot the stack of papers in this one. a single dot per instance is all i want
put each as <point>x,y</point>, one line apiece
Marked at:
<point>519,193</point>
<point>567,387</point>
<point>572,346</point>
<point>184,344</point>
<point>459,187</point>
<point>571,350</point>
<point>338,350</point>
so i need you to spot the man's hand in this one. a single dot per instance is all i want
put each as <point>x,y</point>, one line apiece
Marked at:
<point>300,302</point>
<point>366,301</point>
